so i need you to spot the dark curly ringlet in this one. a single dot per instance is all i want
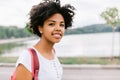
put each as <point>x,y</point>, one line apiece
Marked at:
<point>41,12</point>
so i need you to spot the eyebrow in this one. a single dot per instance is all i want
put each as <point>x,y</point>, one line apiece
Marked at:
<point>55,21</point>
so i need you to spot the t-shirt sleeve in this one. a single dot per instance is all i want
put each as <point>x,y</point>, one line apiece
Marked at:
<point>25,59</point>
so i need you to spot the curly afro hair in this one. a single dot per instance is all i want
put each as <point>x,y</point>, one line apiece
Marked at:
<point>41,12</point>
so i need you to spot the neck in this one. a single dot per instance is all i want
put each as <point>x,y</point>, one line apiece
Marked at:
<point>44,47</point>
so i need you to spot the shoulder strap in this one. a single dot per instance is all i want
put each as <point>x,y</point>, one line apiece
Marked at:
<point>35,63</point>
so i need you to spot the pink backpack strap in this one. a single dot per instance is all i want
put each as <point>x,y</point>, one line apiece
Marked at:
<point>13,77</point>
<point>35,63</point>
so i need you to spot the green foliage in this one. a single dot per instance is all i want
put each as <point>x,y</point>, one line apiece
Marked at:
<point>8,59</point>
<point>89,60</point>
<point>13,32</point>
<point>111,15</point>
<point>8,46</point>
<point>73,60</point>
<point>96,28</point>
<point>27,27</point>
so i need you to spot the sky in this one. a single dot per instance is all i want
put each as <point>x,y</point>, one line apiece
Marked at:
<point>16,12</point>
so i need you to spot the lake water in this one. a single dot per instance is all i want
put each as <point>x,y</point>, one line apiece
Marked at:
<point>85,45</point>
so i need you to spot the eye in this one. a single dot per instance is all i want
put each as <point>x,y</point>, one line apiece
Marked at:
<point>51,24</point>
<point>62,25</point>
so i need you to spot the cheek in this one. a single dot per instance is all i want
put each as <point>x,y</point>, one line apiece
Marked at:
<point>47,31</point>
<point>63,30</point>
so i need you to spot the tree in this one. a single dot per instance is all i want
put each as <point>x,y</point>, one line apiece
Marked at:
<point>27,27</point>
<point>111,16</point>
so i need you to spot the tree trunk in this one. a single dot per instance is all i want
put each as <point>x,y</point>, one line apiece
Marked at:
<point>112,54</point>
<point>119,40</point>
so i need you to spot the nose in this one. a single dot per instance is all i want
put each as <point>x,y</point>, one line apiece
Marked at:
<point>57,28</point>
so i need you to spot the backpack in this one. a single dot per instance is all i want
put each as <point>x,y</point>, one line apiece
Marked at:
<point>35,65</point>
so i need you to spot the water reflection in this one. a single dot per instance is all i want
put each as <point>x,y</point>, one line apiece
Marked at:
<point>9,46</point>
<point>17,49</point>
<point>92,45</point>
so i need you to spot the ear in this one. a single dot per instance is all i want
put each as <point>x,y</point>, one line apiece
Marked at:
<point>40,29</point>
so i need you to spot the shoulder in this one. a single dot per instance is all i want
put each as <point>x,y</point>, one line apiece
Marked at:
<point>25,59</point>
<point>24,55</point>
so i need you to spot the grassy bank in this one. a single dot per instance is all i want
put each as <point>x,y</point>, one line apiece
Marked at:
<point>73,60</point>
<point>8,59</point>
<point>9,46</point>
<point>89,60</point>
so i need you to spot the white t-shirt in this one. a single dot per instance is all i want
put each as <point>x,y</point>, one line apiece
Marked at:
<point>48,69</point>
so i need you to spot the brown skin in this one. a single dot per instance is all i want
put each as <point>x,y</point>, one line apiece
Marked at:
<point>52,32</point>
<point>22,73</point>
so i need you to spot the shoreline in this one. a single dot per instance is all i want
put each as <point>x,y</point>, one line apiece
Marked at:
<point>74,66</point>
<point>12,40</point>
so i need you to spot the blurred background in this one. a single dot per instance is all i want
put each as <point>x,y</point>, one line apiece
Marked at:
<point>90,36</point>
<point>94,37</point>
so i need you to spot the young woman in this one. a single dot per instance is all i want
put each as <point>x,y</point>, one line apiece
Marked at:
<point>48,20</point>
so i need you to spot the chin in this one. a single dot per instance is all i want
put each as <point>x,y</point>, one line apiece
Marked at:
<point>57,41</point>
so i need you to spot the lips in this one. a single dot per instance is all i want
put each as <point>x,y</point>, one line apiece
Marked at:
<point>57,35</point>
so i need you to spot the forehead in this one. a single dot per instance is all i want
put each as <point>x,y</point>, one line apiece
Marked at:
<point>56,17</point>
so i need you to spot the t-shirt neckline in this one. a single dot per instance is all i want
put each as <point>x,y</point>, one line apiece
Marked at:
<point>39,54</point>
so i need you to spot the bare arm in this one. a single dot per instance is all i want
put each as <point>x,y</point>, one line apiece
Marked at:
<point>22,73</point>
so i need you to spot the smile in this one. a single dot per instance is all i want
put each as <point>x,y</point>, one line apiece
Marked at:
<point>57,35</point>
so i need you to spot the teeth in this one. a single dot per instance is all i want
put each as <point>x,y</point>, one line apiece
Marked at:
<point>57,35</point>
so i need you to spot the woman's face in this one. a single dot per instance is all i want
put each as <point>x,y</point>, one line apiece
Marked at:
<point>53,28</point>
